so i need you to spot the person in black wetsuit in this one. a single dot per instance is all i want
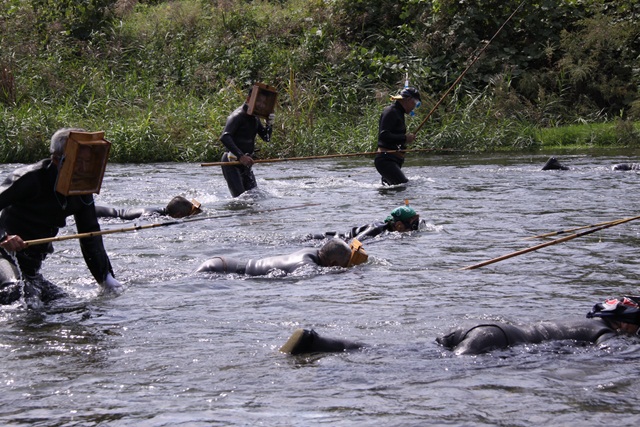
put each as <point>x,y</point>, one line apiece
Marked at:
<point>393,136</point>
<point>239,138</point>
<point>607,319</point>
<point>334,253</point>
<point>32,209</point>
<point>401,219</point>
<point>626,167</point>
<point>554,164</point>
<point>178,207</point>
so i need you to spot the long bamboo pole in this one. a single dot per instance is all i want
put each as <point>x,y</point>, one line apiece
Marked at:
<point>568,230</point>
<point>145,226</point>
<point>327,156</point>
<point>455,83</point>
<point>552,242</point>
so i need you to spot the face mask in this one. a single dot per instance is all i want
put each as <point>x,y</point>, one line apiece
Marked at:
<point>417,104</point>
<point>411,225</point>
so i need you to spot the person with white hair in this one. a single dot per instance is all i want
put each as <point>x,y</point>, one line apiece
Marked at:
<point>31,208</point>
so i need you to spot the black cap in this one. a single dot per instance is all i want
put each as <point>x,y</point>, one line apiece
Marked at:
<point>408,92</point>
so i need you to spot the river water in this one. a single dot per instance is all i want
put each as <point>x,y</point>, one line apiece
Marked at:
<point>184,349</point>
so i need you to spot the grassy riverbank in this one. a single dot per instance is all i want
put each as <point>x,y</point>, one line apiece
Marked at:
<point>161,77</point>
<point>188,131</point>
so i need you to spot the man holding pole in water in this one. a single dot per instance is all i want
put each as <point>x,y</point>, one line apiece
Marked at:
<point>239,138</point>
<point>393,136</point>
<point>33,208</point>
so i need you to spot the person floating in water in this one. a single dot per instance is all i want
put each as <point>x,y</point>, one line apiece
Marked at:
<point>33,209</point>
<point>626,167</point>
<point>178,207</point>
<point>613,317</point>
<point>608,319</point>
<point>402,219</point>
<point>554,164</point>
<point>393,137</point>
<point>334,253</point>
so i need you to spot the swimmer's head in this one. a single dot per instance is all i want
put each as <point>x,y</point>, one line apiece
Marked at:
<point>180,207</point>
<point>335,253</point>
<point>625,309</point>
<point>403,218</point>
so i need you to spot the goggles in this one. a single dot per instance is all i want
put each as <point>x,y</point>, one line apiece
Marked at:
<point>413,225</point>
<point>358,255</point>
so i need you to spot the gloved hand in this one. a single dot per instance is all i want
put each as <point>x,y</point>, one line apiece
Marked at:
<point>111,285</point>
<point>271,120</point>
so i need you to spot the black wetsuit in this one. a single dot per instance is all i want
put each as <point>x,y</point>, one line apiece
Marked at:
<point>239,137</point>
<point>626,167</point>
<point>128,214</point>
<point>32,209</point>
<point>494,335</point>
<point>260,267</point>
<point>392,135</point>
<point>361,233</point>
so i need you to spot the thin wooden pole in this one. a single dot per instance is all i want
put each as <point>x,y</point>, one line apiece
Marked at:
<point>455,83</point>
<point>552,242</point>
<point>327,156</point>
<point>569,230</point>
<point>145,226</point>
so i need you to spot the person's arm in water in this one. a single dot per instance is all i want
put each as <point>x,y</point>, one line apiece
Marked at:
<point>370,230</point>
<point>92,248</point>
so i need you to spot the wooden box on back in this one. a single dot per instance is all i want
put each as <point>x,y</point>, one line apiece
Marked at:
<point>83,165</point>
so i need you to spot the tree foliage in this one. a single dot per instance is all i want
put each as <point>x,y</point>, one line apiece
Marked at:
<point>333,61</point>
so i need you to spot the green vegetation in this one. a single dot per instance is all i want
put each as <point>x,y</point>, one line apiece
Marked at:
<point>160,77</point>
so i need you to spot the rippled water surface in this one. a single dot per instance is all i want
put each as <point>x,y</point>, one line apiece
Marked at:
<point>180,349</point>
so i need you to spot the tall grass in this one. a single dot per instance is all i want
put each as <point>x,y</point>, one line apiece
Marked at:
<point>160,79</point>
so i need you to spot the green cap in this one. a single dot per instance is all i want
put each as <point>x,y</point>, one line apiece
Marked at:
<point>402,213</point>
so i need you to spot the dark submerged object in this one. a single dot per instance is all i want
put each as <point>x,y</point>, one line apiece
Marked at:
<point>485,337</point>
<point>626,167</point>
<point>309,341</point>
<point>554,164</point>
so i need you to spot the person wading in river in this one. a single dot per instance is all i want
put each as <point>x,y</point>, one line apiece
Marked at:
<point>393,136</point>
<point>239,138</point>
<point>614,316</point>
<point>33,209</point>
<point>334,253</point>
